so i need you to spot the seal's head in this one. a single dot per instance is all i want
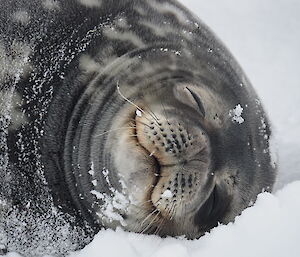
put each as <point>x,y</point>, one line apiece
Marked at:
<point>157,150</point>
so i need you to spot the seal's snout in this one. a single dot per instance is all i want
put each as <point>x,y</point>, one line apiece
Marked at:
<point>170,140</point>
<point>166,140</point>
<point>181,151</point>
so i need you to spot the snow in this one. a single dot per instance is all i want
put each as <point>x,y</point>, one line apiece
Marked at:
<point>112,202</point>
<point>138,113</point>
<point>236,114</point>
<point>269,228</point>
<point>264,37</point>
<point>167,194</point>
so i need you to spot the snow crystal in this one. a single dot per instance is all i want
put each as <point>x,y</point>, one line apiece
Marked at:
<point>273,150</point>
<point>114,202</point>
<point>92,171</point>
<point>167,194</point>
<point>98,195</point>
<point>13,60</point>
<point>236,114</point>
<point>112,205</point>
<point>138,113</point>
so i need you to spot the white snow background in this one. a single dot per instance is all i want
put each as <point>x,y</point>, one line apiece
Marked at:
<point>264,36</point>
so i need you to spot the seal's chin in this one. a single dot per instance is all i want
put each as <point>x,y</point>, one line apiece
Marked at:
<point>163,159</point>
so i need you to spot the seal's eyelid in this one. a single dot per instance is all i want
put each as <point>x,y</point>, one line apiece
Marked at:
<point>198,101</point>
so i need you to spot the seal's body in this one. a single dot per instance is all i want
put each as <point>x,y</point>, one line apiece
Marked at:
<point>126,113</point>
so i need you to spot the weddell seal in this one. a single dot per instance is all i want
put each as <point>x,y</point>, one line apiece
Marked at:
<point>126,114</point>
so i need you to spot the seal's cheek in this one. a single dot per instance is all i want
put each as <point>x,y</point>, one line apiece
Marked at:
<point>134,166</point>
<point>214,209</point>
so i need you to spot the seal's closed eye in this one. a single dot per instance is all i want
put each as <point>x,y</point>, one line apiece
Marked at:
<point>198,101</point>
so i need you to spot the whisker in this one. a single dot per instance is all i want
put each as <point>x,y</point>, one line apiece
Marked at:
<point>173,210</point>
<point>165,112</point>
<point>111,130</point>
<point>149,225</point>
<point>150,111</point>
<point>199,160</point>
<point>126,99</point>
<point>153,152</point>
<point>148,216</point>
<point>159,227</point>
<point>136,106</point>
<point>148,201</point>
<point>138,121</point>
<point>153,115</point>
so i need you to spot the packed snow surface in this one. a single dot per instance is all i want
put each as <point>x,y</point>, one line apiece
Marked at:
<point>269,228</point>
<point>264,36</point>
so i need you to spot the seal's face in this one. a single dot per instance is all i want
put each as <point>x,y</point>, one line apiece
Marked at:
<point>160,149</point>
<point>155,145</point>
